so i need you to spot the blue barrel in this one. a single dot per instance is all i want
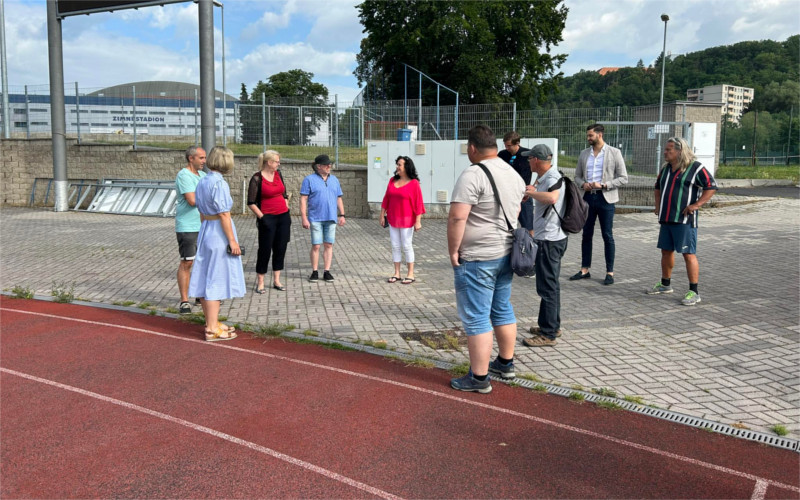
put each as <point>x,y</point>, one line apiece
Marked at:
<point>404,134</point>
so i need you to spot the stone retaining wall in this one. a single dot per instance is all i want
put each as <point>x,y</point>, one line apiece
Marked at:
<point>27,160</point>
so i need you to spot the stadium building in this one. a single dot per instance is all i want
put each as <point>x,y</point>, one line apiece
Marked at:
<point>153,108</point>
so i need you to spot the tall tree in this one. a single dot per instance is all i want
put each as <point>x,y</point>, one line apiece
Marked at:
<point>303,108</point>
<point>487,51</point>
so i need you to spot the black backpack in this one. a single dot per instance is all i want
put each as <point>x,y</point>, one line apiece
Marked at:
<point>576,211</point>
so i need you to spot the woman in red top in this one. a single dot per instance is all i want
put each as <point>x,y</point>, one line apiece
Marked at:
<point>266,198</point>
<point>402,205</point>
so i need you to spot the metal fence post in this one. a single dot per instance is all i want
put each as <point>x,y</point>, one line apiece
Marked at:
<point>300,125</point>
<point>133,87</point>
<point>336,125</point>
<point>27,115</point>
<point>195,117</point>
<point>514,116</point>
<point>263,121</point>
<point>235,122</point>
<point>78,111</point>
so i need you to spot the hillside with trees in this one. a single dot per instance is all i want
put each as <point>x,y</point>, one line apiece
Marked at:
<point>771,68</point>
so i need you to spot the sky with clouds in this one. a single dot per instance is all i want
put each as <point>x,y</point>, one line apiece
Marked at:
<point>264,37</point>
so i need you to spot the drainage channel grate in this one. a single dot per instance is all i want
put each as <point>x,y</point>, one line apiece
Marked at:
<point>671,416</point>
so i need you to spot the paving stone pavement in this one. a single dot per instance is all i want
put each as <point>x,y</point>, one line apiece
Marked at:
<point>733,358</point>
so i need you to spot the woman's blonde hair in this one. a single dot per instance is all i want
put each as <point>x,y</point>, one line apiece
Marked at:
<point>685,154</point>
<point>268,155</point>
<point>220,159</point>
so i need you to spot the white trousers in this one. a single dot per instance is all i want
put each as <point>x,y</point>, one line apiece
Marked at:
<point>401,243</point>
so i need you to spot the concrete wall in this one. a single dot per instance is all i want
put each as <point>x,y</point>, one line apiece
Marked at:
<point>23,161</point>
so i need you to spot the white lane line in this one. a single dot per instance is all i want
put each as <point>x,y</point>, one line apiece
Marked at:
<point>227,437</point>
<point>450,397</point>
<point>760,491</point>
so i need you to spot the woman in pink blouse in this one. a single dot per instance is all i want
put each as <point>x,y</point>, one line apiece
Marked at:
<point>402,206</point>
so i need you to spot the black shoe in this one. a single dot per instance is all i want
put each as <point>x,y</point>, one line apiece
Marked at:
<point>327,276</point>
<point>185,308</point>
<point>580,276</point>
<point>314,277</point>
<point>609,280</point>
<point>197,301</point>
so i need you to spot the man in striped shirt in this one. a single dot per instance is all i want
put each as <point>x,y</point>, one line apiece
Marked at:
<point>682,187</point>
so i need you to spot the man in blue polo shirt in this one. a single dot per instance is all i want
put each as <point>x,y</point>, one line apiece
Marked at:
<point>320,197</point>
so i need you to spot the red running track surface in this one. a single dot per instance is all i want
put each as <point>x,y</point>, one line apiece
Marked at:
<point>100,403</point>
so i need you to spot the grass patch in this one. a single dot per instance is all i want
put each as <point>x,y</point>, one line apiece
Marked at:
<point>332,345</point>
<point>707,429</point>
<point>529,376</point>
<point>779,430</point>
<point>144,305</point>
<point>577,396</point>
<point>273,330</point>
<point>380,344</point>
<point>513,383</point>
<point>419,362</point>
<point>609,405</point>
<point>311,333</point>
<point>539,388</point>
<point>197,318</point>
<point>63,292</point>
<point>460,369</point>
<point>128,303</point>
<point>577,387</point>
<point>634,399</point>
<point>791,172</point>
<point>22,292</point>
<point>351,155</point>
<point>602,391</point>
<point>153,312</point>
<point>172,310</point>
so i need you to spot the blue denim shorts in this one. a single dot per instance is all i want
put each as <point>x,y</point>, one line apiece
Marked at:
<point>681,238</point>
<point>323,231</point>
<point>483,294</point>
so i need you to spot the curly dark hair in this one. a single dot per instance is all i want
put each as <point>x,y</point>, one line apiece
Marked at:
<point>411,170</point>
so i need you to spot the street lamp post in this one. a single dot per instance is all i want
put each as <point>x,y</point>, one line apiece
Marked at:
<point>664,18</point>
<point>224,96</point>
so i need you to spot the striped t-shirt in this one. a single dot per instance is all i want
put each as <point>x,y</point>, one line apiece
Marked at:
<point>679,190</point>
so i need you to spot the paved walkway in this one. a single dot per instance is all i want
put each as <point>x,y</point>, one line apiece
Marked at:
<point>733,358</point>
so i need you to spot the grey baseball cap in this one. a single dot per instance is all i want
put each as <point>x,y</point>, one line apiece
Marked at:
<point>540,151</point>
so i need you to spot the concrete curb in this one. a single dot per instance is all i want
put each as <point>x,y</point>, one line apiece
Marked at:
<point>746,183</point>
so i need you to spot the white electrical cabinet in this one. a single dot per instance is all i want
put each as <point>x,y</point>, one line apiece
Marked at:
<point>438,163</point>
<point>704,144</point>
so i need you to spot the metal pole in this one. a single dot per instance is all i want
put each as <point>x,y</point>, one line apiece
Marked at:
<point>664,18</point>
<point>300,124</point>
<point>4,70</point>
<point>438,87</point>
<point>236,122</point>
<point>224,96</point>
<point>456,119</point>
<point>28,115</point>
<point>419,113</point>
<point>133,91</point>
<point>336,125</point>
<point>195,117</point>
<point>514,116</point>
<point>208,124</point>
<point>789,139</point>
<point>405,93</point>
<point>77,110</point>
<point>616,134</point>
<point>264,122</point>
<point>58,121</point>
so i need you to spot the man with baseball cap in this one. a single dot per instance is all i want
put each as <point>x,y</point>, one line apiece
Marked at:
<point>548,204</point>
<point>320,197</point>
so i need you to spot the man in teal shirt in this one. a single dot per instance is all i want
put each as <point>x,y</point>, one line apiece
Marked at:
<point>187,219</point>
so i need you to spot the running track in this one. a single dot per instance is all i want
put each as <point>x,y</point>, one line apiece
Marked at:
<point>100,403</point>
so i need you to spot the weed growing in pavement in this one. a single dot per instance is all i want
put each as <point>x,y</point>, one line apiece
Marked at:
<point>577,387</point>
<point>529,376</point>
<point>22,292</point>
<point>197,318</point>
<point>577,396</point>
<point>63,292</point>
<point>634,399</point>
<point>311,333</point>
<point>272,330</point>
<point>602,391</point>
<point>707,429</point>
<point>513,383</point>
<point>172,310</point>
<point>380,344</point>
<point>609,405</point>
<point>144,305</point>
<point>332,345</point>
<point>739,425</point>
<point>779,430</point>
<point>153,312</point>
<point>460,369</point>
<point>539,388</point>
<point>451,340</point>
<point>128,303</point>
<point>420,362</point>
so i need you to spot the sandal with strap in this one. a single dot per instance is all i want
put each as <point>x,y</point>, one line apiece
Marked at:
<point>222,332</point>
<point>394,279</point>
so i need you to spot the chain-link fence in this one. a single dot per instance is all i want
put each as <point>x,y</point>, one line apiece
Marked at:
<point>169,112</point>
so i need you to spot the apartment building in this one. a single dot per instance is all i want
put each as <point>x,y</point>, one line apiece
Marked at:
<point>734,99</point>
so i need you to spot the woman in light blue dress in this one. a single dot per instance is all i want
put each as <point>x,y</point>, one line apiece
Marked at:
<point>217,272</point>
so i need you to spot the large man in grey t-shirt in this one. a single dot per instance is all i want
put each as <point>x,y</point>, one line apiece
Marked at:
<point>548,204</point>
<point>479,244</point>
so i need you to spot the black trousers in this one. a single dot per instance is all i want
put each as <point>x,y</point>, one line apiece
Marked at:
<point>548,267</point>
<point>273,238</point>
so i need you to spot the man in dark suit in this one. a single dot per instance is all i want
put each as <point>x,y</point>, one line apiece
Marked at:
<point>513,156</point>
<point>600,172</point>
